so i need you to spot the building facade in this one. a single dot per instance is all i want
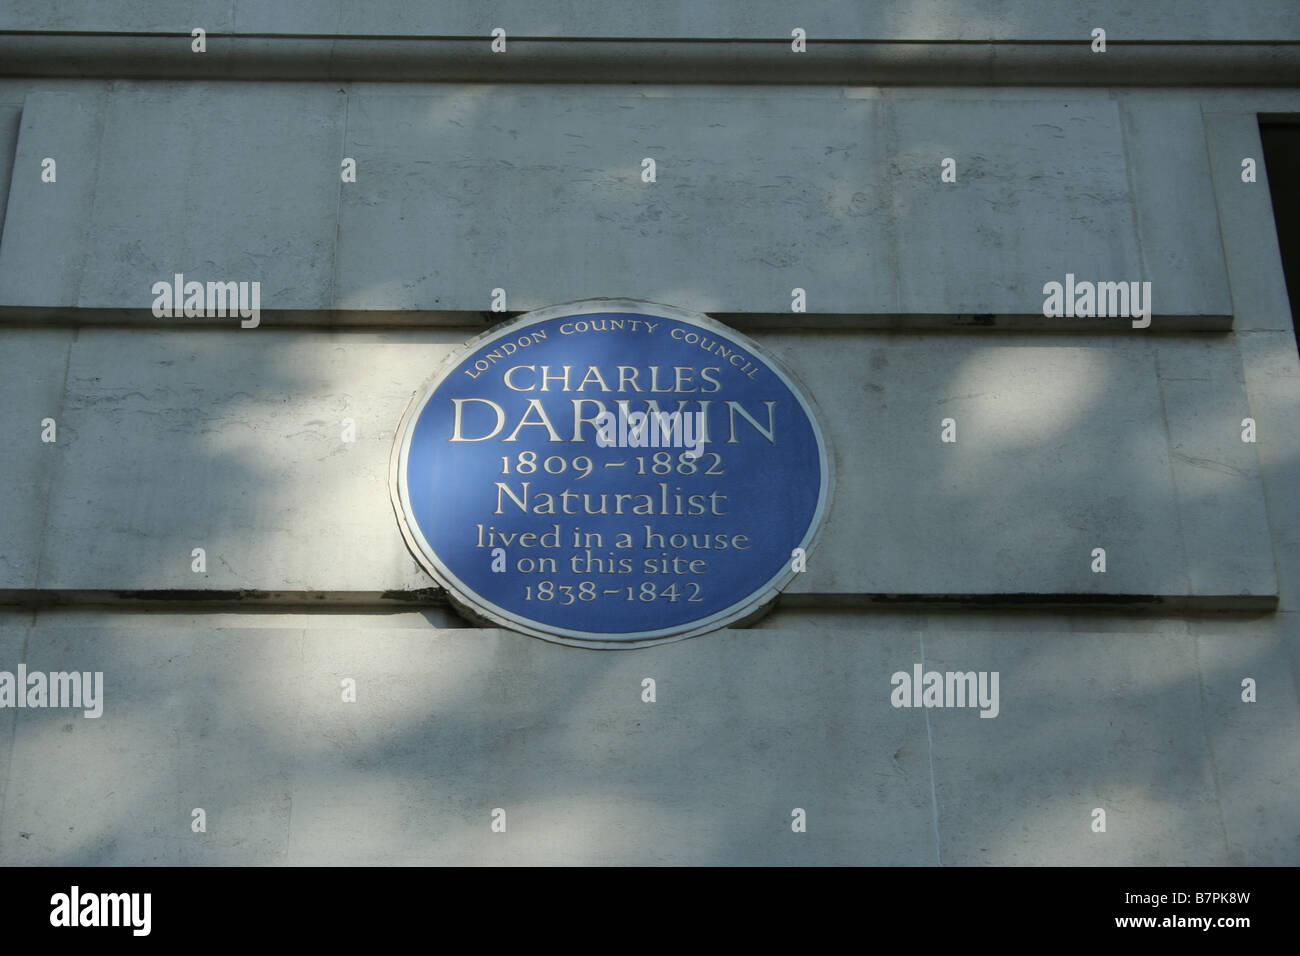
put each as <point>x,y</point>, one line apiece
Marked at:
<point>1023,258</point>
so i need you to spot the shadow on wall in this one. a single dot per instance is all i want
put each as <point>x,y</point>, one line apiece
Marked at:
<point>249,724</point>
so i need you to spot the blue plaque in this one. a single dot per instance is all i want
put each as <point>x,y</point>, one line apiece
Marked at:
<point>611,473</point>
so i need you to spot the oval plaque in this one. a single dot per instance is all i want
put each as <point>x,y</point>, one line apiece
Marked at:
<point>611,473</point>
